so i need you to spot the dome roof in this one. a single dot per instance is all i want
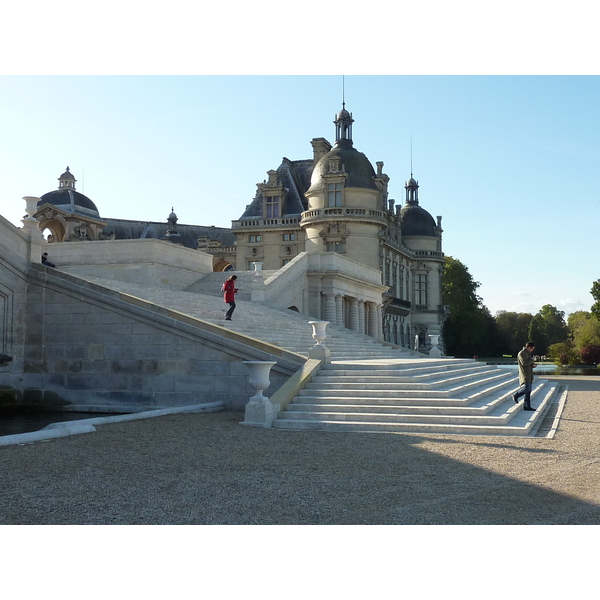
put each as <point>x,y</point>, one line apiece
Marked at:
<point>70,200</point>
<point>417,221</point>
<point>360,171</point>
<point>344,114</point>
<point>67,175</point>
<point>67,198</point>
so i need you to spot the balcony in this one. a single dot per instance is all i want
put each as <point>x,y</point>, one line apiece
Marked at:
<point>282,222</point>
<point>354,214</point>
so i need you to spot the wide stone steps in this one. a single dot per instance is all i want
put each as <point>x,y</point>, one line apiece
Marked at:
<point>210,284</point>
<point>388,382</point>
<point>387,390</point>
<point>478,402</point>
<point>500,416</point>
<point>281,327</point>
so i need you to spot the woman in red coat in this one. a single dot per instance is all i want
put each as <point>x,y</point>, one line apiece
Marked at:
<point>229,291</point>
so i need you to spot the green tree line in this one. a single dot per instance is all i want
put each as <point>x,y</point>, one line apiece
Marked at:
<point>470,329</point>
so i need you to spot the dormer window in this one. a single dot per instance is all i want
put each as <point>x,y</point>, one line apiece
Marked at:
<point>272,209</point>
<point>334,195</point>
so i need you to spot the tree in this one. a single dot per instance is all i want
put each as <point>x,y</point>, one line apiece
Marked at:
<point>548,327</point>
<point>595,291</point>
<point>470,329</point>
<point>513,331</point>
<point>563,354</point>
<point>584,330</point>
<point>590,355</point>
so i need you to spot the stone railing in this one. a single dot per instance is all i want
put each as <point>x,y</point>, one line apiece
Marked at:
<point>264,222</point>
<point>345,212</point>
<point>219,250</point>
<point>286,283</point>
<point>428,254</point>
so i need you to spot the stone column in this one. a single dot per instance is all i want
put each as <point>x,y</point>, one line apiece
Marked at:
<point>361,316</point>
<point>330,311</point>
<point>379,313</point>
<point>373,326</point>
<point>353,314</point>
<point>339,311</point>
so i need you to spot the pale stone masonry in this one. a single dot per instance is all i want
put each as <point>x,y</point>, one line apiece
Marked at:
<point>78,345</point>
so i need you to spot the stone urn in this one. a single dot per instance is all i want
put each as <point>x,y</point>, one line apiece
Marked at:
<point>319,333</point>
<point>319,351</point>
<point>31,202</point>
<point>435,351</point>
<point>259,410</point>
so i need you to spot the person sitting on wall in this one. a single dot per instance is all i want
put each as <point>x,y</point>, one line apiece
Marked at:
<point>45,260</point>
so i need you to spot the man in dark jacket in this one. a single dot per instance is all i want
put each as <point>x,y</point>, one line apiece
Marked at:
<point>45,260</point>
<point>526,366</point>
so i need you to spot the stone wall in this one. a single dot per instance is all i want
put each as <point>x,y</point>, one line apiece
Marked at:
<point>15,249</point>
<point>147,261</point>
<point>80,346</point>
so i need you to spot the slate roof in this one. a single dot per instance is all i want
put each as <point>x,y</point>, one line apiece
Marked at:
<point>188,234</point>
<point>70,200</point>
<point>358,167</point>
<point>416,221</point>
<point>294,175</point>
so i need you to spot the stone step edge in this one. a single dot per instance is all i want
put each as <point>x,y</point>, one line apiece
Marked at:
<point>427,428</point>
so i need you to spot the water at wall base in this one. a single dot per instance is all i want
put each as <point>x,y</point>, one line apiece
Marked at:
<point>15,420</point>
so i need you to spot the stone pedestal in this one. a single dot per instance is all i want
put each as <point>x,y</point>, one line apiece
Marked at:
<point>259,410</point>
<point>31,227</point>
<point>257,287</point>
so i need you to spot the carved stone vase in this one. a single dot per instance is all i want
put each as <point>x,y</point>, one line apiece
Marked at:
<point>319,333</point>
<point>435,351</point>
<point>259,410</point>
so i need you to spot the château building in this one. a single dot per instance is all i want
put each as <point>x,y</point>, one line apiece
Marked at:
<point>325,224</point>
<point>337,202</point>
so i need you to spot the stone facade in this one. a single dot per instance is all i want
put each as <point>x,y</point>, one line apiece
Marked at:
<point>336,203</point>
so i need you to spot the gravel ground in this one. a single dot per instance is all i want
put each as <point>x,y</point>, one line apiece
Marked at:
<point>207,469</point>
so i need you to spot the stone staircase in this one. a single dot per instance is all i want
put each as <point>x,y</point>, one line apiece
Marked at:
<point>370,386</point>
<point>419,396</point>
<point>281,327</point>
<point>210,284</point>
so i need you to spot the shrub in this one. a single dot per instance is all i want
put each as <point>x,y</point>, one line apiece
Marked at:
<point>590,355</point>
<point>562,354</point>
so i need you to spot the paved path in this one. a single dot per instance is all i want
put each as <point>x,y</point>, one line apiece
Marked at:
<point>207,469</point>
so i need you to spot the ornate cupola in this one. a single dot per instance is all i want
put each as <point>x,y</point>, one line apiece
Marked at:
<point>343,128</point>
<point>67,214</point>
<point>416,221</point>
<point>412,191</point>
<point>66,180</point>
<point>172,233</point>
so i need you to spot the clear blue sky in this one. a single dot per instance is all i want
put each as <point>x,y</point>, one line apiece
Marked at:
<point>511,162</point>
